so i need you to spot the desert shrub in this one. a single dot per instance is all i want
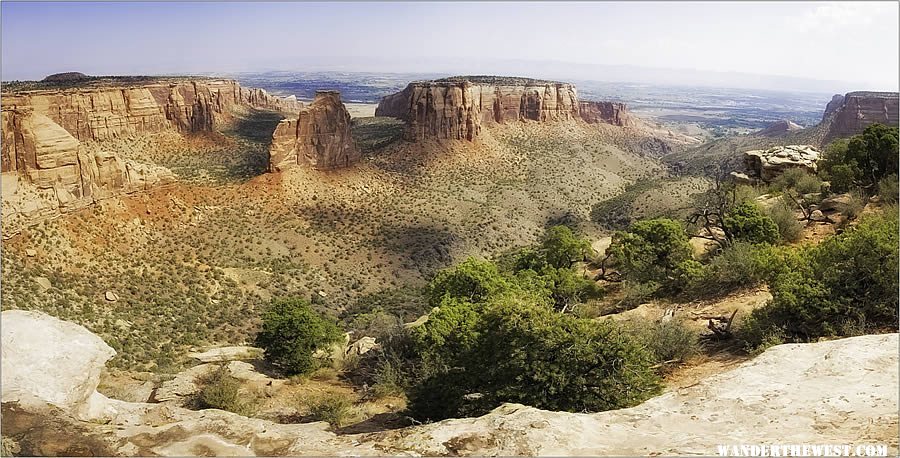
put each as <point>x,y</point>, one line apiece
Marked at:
<point>782,214</point>
<point>687,273</point>
<point>667,341</point>
<point>651,250</point>
<point>889,189</point>
<point>292,332</point>
<point>799,180</point>
<point>741,265</point>
<point>636,293</point>
<point>221,391</point>
<point>746,222</point>
<point>524,352</point>
<point>848,278</point>
<point>334,408</point>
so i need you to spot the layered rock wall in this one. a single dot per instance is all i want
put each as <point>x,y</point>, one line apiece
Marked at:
<point>319,137</point>
<point>185,106</point>
<point>458,109</point>
<point>850,114</point>
<point>46,168</point>
<point>614,113</point>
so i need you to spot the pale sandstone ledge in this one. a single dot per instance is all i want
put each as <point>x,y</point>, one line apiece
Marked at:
<point>835,392</point>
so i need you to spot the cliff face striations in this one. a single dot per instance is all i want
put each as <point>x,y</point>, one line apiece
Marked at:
<point>46,167</point>
<point>185,106</point>
<point>850,114</point>
<point>614,113</point>
<point>319,137</point>
<point>457,108</point>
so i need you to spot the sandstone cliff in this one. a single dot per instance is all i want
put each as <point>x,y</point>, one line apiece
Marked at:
<point>850,114</point>
<point>614,113</point>
<point>318,137</point>
<point>50,406</point>
<point>46,168</point>
<point>100,113</point>
<point>457,108</point>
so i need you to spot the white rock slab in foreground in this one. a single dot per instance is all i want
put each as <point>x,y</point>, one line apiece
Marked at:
<point>837,392</point>
<point>47,359</point>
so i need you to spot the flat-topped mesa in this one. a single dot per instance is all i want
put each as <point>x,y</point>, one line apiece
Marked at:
<point>185,105</point>
<point>614,113</point>
<point>850,114</point>
<point>319,137</point>
<point>458,107</point>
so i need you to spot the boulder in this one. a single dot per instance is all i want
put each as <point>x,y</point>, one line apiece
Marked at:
<point>111,296</point>
<point>47,360</point>
<point>771,163</point>
<point>43,283</point>
<point>835,203</point>
<point>361,346</point>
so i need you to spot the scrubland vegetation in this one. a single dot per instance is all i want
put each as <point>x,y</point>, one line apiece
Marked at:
<point>475,273</point>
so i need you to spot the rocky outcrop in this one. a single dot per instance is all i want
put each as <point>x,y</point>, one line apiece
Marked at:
<point>100,113</point>
<point>50,407</point>
<point>770,163</point>
<point>614,113</point>
<point>850,114</point>
<point>319,137</point>
<point>780,128</point>
<point>458,108</point>
<point>48,170</point>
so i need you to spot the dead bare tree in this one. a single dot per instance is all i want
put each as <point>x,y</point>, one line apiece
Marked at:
<point>712,209</point>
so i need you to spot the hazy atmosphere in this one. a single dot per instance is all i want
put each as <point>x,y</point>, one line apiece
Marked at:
<point>594,41</point>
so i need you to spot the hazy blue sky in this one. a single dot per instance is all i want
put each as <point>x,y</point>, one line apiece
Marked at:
<point>851,42</point>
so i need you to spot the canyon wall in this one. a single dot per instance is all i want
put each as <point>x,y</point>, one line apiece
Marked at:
<point>614,113</point>
<point>457,108</point>
<point>182,105</point>
<point>46,168</point>
<point>850,114</point>
<point>319,137</point>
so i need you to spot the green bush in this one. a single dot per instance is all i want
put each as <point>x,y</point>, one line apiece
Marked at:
<point>742,265</point>
<point>799,180</point>
<point>334,408</point>
<point>292,332</point>
<point>524,352</point>
<point>746,222</point>
<point>889,189</point>
<point>472,280</point>
<point>220,391</point>
<point>561,248</point>
<point>651,250</point>
<point>862,160</point>
<point>667,341</point>
<point>782,214</point>
<point>848,278</point>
